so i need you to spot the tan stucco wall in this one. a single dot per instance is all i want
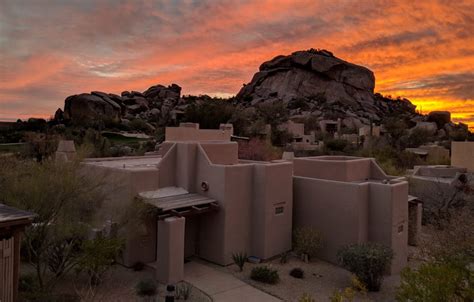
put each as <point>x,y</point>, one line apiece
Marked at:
<point>462,155</point>
<point>336,168</point>
<point>338,210</point>
<point>170,255</point>
<point>388,219</point>
<point>222,153</point>
<point>272,187</point>
<point>120,187</point>
<point>180,134</point>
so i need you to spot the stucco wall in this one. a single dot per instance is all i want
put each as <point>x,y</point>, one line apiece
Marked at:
<point>338,210</point>
<point>462,155</point>
<point>180,134</point>
<point>388,219</point>
<point>222,153</point>
<point>333,168</point>
<point>272,187</point>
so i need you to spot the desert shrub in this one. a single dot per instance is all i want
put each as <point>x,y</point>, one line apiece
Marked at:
<point>436,282</point>
<point>306,298</point>
<point>240,259</point>
<point>348,294</point>
<point>98,256</point>
<point>28,283</point>
<point>257,149</point>
<point>336,144</point>
<point>138,266</point>
<point>368,261</point>
<point>307,241</point>
<point>146,287</point>
<point>297,273</point>
<point>284,257</point>
<point>64,201</point>
<point>209,114</point>
<point>183,291</point>
<point>265,274</point>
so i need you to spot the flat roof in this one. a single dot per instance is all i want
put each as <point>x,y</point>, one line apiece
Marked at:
<point>11,214</point>
<point>128,163</point>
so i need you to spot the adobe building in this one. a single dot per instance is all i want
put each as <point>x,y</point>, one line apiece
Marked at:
<point>201,200</point>
<point>12,224</point>
<point>438,184</point>
<point>205,201</point>
<point>462,155</point>
<point>351,200</point>
<point>431,153</point>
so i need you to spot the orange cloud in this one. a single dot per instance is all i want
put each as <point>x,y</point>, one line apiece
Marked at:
<point>422,50</point>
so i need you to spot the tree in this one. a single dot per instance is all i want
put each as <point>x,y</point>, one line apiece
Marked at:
<point>63,199</point>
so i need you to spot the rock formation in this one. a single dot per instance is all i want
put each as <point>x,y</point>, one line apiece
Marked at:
<point>158,103</point>
<point>315,82</point>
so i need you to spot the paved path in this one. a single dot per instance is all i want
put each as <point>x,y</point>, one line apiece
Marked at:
<point>221,286</point>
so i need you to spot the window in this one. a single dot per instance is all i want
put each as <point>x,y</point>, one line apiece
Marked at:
<point>279,210</point>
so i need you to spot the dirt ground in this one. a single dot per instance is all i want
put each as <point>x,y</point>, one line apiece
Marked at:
<point>118,286</point>
<point>320,281</point>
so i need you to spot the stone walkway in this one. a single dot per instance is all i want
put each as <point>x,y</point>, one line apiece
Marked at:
<point>221,286</point>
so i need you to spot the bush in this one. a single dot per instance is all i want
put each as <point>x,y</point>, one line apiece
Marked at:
<point>349,293</point>
<point>297,273</point>
<point>146,287</point>
<point>306,298</point>
<point>284,257</point>
<point>265,274</point>
<point>240,259</point>
<point>98,256</point>
<point>436,282</point>
<point>368,261</point>
<point>307,241</point>
<point>28,283</point>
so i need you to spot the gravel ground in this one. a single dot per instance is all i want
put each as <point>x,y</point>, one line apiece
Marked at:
<point>320,281</point>
<point>119,286</point>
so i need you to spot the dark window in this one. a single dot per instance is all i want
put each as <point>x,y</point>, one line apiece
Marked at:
<point>279,210</point>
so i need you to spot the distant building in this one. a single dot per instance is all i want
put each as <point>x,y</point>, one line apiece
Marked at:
<point>462,155</point>
<point>431,153</point>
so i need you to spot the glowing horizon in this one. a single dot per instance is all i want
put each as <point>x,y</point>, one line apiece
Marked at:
<point>52,49</point>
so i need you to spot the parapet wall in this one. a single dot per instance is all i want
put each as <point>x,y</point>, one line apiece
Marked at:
<point>181,134</point>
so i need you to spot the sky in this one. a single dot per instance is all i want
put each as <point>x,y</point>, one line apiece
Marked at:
<point>50,49</point>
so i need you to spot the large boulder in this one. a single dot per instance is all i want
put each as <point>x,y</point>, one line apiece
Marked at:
<point>305,74</point>
<point>441,118</point>
<point>86,107</point>
<point>315,81</point>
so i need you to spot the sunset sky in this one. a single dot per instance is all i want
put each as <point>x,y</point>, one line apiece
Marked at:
<point>50,49</point>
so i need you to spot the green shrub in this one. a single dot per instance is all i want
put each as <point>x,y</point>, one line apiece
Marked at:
<point>146,287</point>
<point>265,274</point>
<point>297,273</point>
<point>306,298</point>
<point>336,144</point>
<point>368,261</point>
<point>436,282</point>
<point>240,259</point>
<point>28,283</point>
<point>183,291</point>
<point>307,241</point>
<point>284,257</point>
